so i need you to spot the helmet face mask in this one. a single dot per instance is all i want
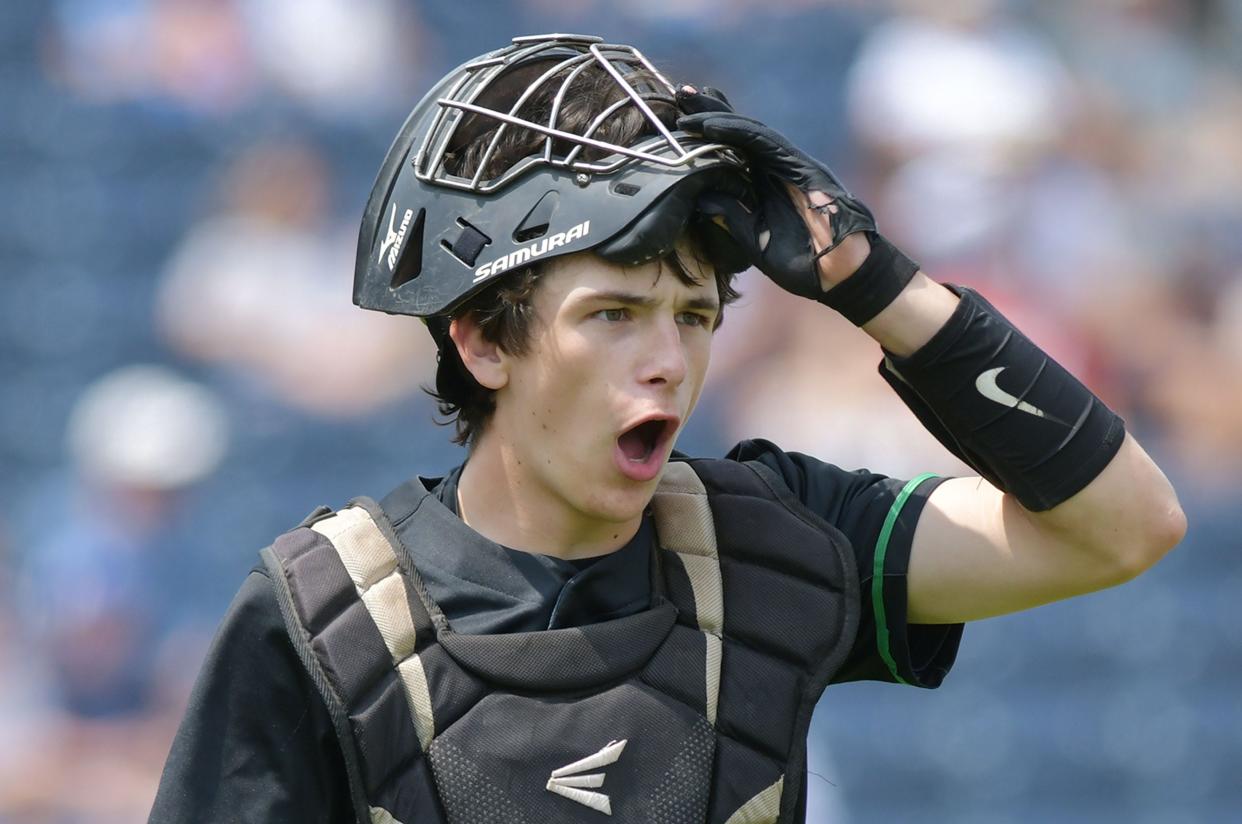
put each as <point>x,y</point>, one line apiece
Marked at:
<point>445,218</point>
<point>556,62</point>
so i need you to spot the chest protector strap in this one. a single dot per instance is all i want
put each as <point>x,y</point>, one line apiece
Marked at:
<point>372,565</point>
<point>684,523</point>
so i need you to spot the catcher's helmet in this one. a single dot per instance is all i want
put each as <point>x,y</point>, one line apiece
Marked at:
<point>431,238</point>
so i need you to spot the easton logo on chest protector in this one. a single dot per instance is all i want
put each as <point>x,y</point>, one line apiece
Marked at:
<point>566,780</point>
<point>537,249</point>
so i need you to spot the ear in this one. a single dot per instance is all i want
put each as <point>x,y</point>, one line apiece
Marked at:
<point>483,358</point>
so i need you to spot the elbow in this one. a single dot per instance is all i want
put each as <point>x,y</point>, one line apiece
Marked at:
<point>1153,535</point>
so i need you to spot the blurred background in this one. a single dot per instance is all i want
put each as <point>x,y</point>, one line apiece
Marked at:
<point>184,377</point>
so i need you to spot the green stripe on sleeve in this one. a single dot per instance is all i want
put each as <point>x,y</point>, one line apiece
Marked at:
<point>877,572</point>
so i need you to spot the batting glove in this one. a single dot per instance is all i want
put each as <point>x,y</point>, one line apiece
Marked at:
<point>775,232</point>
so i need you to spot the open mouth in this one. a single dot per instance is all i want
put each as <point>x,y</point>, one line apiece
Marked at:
<point>638,443</point>
<point>641,448</point>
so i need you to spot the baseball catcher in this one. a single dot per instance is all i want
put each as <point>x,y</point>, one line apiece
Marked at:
<point>579,623</point>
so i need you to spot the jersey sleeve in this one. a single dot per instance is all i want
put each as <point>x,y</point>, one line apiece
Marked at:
<point>877,515</point>
<point>256,742</point>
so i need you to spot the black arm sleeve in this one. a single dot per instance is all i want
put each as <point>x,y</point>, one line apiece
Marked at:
<point>256,742</point>
<point>877,515</point>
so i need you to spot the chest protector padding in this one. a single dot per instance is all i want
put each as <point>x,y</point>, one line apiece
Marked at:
<point>694,710</point>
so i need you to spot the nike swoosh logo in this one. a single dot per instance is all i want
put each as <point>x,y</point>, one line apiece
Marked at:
<point>986,384</point>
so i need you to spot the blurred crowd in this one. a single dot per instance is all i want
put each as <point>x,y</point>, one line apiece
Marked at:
<point>185,377</point>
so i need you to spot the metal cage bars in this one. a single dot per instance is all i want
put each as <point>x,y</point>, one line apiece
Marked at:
<point>476,77</point>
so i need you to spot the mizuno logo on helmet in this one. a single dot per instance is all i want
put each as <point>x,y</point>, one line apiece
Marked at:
<point>395,237</point>
<point>527,253</point>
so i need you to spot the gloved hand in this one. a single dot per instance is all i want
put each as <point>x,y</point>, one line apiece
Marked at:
<point>794,194</point>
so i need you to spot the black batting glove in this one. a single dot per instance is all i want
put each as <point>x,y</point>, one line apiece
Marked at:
<point>774,233</point>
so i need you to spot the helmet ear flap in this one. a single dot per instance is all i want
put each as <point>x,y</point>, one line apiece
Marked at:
<point>655,231</point>
<point>723,252</point>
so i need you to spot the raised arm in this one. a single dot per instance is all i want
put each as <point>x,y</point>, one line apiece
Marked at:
<point>1066,501</point>
<point>979,552</point>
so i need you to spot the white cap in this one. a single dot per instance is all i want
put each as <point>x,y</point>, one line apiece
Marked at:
<point>147,426</point>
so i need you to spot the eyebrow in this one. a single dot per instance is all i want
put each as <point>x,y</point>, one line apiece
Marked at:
<point>647,302</point>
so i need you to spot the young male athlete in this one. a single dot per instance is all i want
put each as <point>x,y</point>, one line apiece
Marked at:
<point>579,624</point>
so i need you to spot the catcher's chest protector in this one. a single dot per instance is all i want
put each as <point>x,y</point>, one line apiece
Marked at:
<point>694,711</point>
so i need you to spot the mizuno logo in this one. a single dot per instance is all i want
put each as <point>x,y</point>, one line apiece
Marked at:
<point>537,249</point>
<point>566,782</point>
<point>394,238</point>
<point>986,384</point>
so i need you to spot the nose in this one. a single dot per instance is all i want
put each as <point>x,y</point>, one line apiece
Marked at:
<point>665,356</point>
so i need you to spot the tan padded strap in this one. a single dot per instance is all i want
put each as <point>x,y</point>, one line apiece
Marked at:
<point>764,808</point>
<point>372,565</point>
<point>712,666</point>
<point>683,517</point>
<point>364,552</point>
<point>684,524</point>
<point>704,574</point>
<point>381,816</point>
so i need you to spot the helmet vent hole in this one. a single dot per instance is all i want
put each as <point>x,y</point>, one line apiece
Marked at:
<point>538,219</point>
<point>627,189</point>
<point>530,233</point>
<point>469,243</point>
<point>410,259</point>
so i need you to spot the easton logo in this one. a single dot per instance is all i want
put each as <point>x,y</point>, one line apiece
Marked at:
<point>394,238</point>
<point>526,253</point>
<point>565,781</point>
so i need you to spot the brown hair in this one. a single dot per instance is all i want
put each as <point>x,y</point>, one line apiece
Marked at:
<point>504,311</point>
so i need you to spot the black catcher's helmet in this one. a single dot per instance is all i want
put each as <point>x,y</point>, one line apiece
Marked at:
<point>431,238</point>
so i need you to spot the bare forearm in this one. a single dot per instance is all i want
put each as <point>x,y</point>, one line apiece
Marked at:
<point>914,317</point>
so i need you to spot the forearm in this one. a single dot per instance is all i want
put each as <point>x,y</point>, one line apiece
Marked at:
<point>1107,496</point>
<point>910,321</point>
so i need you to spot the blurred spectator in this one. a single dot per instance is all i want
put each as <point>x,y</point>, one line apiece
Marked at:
<point>213,57</point>
<point>1142,53</point>
<point>339,57</point>
<point>90,585</point>
<point>185,54</point>
<point>99,592</point>
<point>261,288</point>
<point>954,76</point>
<point>981,149</point>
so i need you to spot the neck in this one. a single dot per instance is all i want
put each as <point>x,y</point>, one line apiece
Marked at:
<point>498,497</point>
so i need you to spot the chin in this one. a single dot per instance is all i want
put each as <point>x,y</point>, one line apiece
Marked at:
<point>622,503</point>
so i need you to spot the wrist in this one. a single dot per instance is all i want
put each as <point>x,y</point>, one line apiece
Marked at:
<point>870,285</point>
<point>914,317</point>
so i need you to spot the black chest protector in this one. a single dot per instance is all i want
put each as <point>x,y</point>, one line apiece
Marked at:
<point>694,711</point>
